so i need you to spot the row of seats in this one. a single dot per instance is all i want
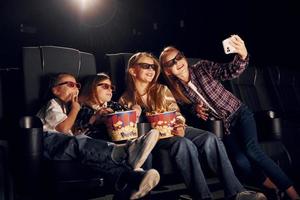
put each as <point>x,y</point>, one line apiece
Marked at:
<point>277,88</point>
<point>33,176</point>
<point>60,178</point>
<point>272,93</point>
<point>253,88</point>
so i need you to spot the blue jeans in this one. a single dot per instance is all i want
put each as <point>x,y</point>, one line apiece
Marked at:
<point>246,154</point>
<point>189,150</point>
<point>91,152</point>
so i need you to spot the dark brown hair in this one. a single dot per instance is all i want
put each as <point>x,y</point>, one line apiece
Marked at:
<point>88,93</point>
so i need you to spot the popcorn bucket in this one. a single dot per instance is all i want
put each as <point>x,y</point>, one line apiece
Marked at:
<point>122,125</point>
<point>163,122</point>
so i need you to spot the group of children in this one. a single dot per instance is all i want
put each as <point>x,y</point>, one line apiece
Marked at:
<point>73,125</point>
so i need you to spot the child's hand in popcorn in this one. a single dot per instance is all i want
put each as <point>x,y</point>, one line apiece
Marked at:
<point>98,117</point>
<point>104,111</point>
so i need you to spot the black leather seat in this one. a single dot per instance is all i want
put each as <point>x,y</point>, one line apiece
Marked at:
<point>286,89</point>
<point>6,188</point>
<point>56,179</point>
<point>116,67</point>
<point>38,62</point>
<point>252,89</point>
<point>283,85</point>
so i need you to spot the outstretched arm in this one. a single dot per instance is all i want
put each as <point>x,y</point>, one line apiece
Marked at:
<point>227,71</point>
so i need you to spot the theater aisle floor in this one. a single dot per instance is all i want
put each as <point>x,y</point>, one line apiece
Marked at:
<point>178,192</point>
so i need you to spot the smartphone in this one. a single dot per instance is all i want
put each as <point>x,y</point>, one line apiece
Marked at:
<point>228,48</point>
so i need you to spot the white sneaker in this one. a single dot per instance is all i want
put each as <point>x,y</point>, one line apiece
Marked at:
<point>250,195</point>
<point>140,148</point>
<point>149,179</point>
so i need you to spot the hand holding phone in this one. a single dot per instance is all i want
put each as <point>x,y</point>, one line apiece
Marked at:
<point>228,48</point>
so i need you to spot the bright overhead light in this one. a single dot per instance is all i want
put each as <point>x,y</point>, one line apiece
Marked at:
<point>96,12</point>
<point>86,4</point>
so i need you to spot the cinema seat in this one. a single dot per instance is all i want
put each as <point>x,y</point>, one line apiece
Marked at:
<point>36,177</point>
<point>253,90</point>
<point>116,67</point>
<point>285,86</point>
<point>283,83</point>
<point>6,186</point>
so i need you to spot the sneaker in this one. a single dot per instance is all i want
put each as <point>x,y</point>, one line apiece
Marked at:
<point>139,149</point>
<point>250,195</point>
<point>145,182</point>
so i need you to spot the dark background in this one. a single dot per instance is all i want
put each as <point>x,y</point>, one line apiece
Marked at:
<point>269,28</point>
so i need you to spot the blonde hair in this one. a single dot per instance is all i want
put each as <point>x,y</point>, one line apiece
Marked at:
<point>88,93</point>
<point>170,79</point>
<point>154,99</point>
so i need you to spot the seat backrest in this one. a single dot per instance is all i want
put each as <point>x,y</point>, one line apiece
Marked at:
<point>192,61</point>
<point>1,104</point>
<point>284,86</point>
<point>116,68</point>
<point>40,61</point>
<point>6,184</point>
<point>297,83</point>
<point>244,88</point>
<point>264,89</point>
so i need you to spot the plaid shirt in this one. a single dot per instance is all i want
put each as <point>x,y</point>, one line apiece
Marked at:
<point>206,76</point>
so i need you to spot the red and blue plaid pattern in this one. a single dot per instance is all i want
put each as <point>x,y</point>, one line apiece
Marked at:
<point>206,76</point>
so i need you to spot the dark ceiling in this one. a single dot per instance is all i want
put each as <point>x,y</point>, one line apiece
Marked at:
<point>110,26</point>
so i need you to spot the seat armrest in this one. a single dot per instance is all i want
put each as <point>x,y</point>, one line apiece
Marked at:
<point>269,125</point>
<point>143,127</point>
<point>267,114</point>
<point>215,126</point>
<point>27,149</point>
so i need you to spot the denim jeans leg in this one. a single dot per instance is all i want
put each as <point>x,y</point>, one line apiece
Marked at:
<point>97,155</point>
<point>244,169</point>
<point>58,146</point>
<point>245,124</point>
<point>212,151</point>
<point>185,155</point>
